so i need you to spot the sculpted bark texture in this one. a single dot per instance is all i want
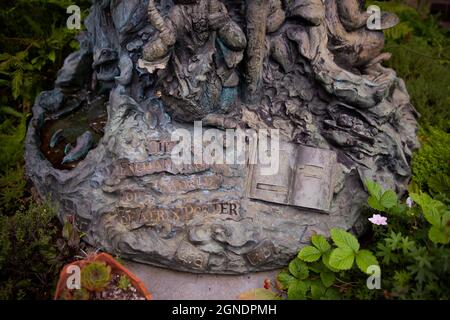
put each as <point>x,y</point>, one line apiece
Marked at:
<point>99,145</point>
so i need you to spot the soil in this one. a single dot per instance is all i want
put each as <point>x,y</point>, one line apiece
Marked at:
<point>113,292</point>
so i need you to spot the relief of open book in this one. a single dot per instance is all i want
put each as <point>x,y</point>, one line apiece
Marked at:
<point>305,178</point>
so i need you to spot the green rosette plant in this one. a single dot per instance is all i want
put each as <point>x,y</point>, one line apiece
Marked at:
<point>95,276</point>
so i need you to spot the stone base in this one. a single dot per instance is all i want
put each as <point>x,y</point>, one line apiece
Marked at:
<point>166,284</point>
<point>341,116</point>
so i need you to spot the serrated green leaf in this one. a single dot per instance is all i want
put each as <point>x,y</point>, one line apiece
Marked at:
<point>365,259</point>
<point>342,258</point>
<point>389,199</point>
<point>326,261</point>
<point>433,214</point>
<point>344,239</point>
<point>374,189</point>
<point>309,254</point>
<point>438,234</point>
<point>332,294</point>
<point>432,209</point>
<point>320,243</point>
<point>285,279</point>
<point>297,290</point>
<point>299,269</point>
<point>317,289</point>
<point>445,219</point>
<point>375,204</point>
<point>327,278</point>
<point>316,267</point>
<point>398,209</point>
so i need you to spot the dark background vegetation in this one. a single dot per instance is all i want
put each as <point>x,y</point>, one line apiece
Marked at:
<point>34,42</point>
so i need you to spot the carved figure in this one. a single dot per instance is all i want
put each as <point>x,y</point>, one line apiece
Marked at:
<point>199,47</point>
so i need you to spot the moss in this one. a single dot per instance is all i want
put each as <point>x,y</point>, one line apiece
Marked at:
<point>432,162</point>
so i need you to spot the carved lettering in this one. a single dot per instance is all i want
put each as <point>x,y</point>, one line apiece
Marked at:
<point>140,169</point>
<point>261,253</point>
<point>191,256</point>
<point>136,217</point>
<point>175,185</point>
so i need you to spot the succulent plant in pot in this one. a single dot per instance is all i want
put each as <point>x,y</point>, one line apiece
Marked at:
<point>95,276</point>
<point>81,294</point>
<point>101,278</point>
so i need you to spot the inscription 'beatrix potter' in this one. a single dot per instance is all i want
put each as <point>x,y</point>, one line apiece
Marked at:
<point>152,216</point>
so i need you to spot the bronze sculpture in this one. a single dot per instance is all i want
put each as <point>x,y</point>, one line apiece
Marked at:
<point>309,68</point>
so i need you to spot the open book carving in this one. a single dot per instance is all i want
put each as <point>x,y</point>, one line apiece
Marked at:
<point>305,178</point>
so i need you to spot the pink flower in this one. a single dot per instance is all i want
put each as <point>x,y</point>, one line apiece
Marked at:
<point>409,202</point>
<point>378,220</point>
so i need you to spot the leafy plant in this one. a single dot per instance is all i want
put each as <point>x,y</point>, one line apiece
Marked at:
<point>30,257</point>
<point>431,164</point>
<point>437,214</point>
<point>411,251</point>
<point>12,135</point>
<point>95,276</point>
<point>80,294</point>
<point>313,273</point>
<point>414,258</point>
<point>124,282</point>
<point>381,200</point>
<point>35,41</point>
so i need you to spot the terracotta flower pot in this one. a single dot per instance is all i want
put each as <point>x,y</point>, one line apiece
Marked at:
<point>116,267</point>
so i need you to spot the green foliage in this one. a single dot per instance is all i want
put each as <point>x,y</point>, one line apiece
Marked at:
<point>381,200</point>
<point>437,214</point>
<point>413,249</point>
<point>420,55</point>
<point>313,274</point>
<point>35,41</point>
<point>124,282</point>
<point>81,294</point>
<point>12,135</point>
<point>95,276</point>
<point>412,252</point>
<point>30,258</point>
<point>431,164</point>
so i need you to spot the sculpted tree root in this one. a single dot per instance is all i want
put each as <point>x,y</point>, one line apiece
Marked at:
<point>308,68</point>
